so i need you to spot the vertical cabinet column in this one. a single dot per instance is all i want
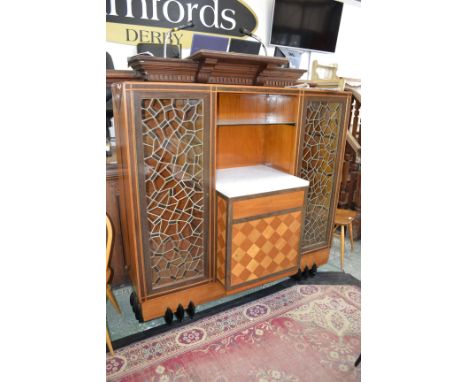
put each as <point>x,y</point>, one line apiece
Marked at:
<point>174,185</point>
<point>169,172</point>
<point>323,134</point>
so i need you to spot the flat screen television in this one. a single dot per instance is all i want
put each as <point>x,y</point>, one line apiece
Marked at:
<point>306,24</point>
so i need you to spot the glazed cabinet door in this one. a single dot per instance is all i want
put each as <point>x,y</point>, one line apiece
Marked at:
<point>323,134</point>
<point>172,140</point>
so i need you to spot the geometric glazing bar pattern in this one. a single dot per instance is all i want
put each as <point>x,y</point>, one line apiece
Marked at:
<point>320,149</point>
<point>173,162</point>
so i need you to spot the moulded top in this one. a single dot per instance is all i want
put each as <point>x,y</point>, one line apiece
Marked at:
<point>234,56</point>
<point>251,180</point>
<point>207,66</point>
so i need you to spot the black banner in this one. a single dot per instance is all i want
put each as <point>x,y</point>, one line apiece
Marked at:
<point>223,17</point>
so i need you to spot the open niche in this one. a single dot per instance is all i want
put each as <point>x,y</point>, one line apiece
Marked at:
<point>260,203</point>
<point>257,129</point>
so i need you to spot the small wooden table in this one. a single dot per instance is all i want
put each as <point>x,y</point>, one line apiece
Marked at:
<point>345,218</point>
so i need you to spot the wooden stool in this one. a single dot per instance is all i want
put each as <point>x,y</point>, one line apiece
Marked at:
<point>345,218</point>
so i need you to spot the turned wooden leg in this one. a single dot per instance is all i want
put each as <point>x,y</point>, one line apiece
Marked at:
<point>108,341</point>
<point>112,299</point>
<point>350,233</point>
<point>180,313</point>
<point>342,247</point>
<point>191,309</point>
<point>305,272</point>
<point>168,316</point>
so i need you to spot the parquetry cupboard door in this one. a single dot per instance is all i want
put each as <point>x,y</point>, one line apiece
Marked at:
<point>172,137</point>
<point>323,120</point>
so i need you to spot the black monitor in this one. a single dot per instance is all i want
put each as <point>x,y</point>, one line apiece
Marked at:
<point>306,24</point>
<point>244,46</point>
<point>202,41</point>
<point>172,51</point>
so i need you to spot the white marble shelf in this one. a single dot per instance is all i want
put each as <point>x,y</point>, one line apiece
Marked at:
<point>251,180</point>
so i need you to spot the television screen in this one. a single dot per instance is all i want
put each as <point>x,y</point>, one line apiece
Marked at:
<point>244,46</point>
<point>306,24</point>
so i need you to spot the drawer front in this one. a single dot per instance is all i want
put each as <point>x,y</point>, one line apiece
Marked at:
<point>266,204</point>
<point>264,247</point>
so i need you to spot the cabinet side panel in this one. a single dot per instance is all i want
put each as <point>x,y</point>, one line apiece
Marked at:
<point>280,147</point>
<point>323,123</point>
<point>122,118</point>
<point>221,239</point>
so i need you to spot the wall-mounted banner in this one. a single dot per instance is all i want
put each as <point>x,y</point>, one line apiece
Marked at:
<point>145,21</point>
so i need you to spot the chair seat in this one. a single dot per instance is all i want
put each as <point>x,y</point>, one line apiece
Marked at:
<point>343,220</point>
<point>343,217</point>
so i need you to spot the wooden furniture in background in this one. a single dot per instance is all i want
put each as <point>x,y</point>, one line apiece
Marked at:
<point>350,189</point>
<point>109,294</point>
<point>344,218</point>
<point>172,139</point>
<point>117,261</point>
<point>113,76</point>
<point>325,76</point>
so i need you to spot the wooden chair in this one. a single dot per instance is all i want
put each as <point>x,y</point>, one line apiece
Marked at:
<point>109,294</point>
<point>345,218</point>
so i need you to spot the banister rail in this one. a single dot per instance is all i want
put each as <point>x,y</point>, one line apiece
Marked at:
<point>350,188</point>
<point>354,127</point>
<point>355,145</point>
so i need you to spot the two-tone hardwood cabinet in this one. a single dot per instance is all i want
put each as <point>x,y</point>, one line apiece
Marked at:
<point>223,188</point>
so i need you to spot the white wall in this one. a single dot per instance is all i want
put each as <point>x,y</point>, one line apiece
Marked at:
<point>348,47</point>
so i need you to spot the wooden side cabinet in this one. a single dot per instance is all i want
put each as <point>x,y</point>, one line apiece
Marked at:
<point>324,121</point>
<point>163,142</point>
<point>172,142</point>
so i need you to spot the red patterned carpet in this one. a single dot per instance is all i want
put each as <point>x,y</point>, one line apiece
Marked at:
<point>303,333</point>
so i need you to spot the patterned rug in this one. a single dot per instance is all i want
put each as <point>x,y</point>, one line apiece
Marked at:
<point>303,333</point>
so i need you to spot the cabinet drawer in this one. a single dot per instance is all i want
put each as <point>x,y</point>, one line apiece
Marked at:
<point>266,204</point>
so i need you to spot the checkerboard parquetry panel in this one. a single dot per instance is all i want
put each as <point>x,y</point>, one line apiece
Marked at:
<point>264,246</point>
<point>221,240</point>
